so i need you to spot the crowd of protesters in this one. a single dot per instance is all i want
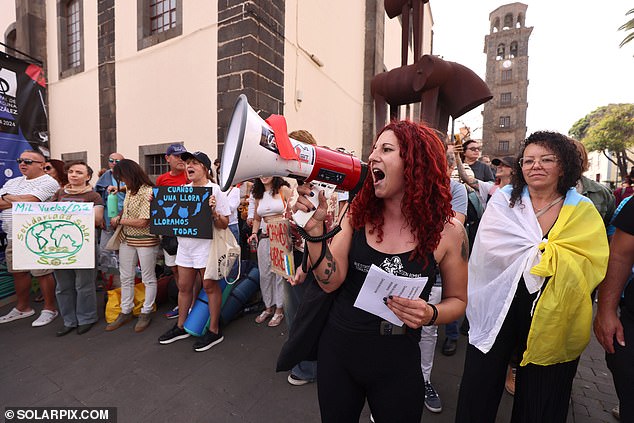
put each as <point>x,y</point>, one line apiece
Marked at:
<point>528,233</point>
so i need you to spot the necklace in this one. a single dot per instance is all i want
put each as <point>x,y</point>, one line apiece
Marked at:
<point>539,212</point>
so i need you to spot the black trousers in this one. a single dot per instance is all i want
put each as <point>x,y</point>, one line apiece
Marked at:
<point>384,369</point>
<point>621,364</point>
<point>542,393</point>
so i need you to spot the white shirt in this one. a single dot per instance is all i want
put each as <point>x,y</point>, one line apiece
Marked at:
<point>43,187</point>
<point>233,198</point>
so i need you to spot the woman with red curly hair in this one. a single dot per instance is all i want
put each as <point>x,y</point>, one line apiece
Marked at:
<point>402,222</point>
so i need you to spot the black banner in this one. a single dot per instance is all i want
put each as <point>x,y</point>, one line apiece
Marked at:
<point>181,211</point>
<point>23,120</point>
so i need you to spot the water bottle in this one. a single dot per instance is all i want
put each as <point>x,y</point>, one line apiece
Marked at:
<point>113,205</point>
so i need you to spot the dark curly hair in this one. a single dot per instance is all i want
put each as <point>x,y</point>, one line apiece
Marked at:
<point>567,155</point>
<point>426,204</point>
<point>258,187</point>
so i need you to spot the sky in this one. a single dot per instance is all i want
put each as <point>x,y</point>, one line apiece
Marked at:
<point>575,63</point>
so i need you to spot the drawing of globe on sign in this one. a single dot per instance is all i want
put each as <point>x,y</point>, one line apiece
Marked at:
<point>54,239</point>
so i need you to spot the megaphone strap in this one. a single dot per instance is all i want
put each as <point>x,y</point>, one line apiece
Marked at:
<point>278,124</point>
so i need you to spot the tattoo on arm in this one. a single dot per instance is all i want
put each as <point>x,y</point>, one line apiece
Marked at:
<point>329,271</point>
<point>464,248</point>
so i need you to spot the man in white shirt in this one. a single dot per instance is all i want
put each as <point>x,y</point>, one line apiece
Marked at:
<point>34,185</point>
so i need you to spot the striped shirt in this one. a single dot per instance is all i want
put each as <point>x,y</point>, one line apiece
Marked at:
<point>43,187</point>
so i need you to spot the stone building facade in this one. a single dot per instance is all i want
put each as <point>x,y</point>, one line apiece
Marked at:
<point>135,76</point>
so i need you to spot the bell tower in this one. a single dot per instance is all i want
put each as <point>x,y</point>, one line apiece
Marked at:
<point>506,47</point>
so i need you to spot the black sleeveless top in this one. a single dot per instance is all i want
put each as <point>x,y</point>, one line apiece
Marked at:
<point>344,315</point>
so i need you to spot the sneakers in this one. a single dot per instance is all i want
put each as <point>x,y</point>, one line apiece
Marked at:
<point>509,384</point>
<point>172,335</point>
<point>297,381</point>
<point>449,347</point>
<point>143,322</point>
<point>16,314</point>
<point>121,320</point>
<point>432,400</point>
<point>46,317</point>
<point>208,340</point>
<point>172,314</point>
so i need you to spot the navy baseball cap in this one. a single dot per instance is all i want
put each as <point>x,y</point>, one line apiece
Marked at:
<point>175,149</point>
<point>197,155</point>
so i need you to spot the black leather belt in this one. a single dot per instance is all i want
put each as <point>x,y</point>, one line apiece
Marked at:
<point>387,328</point>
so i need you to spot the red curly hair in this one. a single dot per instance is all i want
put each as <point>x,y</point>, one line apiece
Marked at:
<point>426,204</point>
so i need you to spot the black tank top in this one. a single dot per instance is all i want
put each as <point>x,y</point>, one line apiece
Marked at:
<point>344,314</point>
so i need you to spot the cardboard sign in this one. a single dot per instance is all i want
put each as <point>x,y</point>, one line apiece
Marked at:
<point>281,251</point>
<point>181,211</point>
<point>53,236</point>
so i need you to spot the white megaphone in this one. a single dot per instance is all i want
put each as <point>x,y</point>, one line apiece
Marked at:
<point>250,151</point>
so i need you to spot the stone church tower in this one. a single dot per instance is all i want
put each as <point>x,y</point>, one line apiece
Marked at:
<point>506,47</point>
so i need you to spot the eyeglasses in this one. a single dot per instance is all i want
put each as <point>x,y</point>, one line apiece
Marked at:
<point>27,161</point>
<point>545,162</point>
<point>48,168</point>
<point>114,160</point>
<point>474,148</point>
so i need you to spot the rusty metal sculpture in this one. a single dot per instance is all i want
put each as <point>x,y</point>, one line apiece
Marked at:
<point>444,88</point>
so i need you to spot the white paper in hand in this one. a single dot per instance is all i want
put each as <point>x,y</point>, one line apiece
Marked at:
<point>379,284</point>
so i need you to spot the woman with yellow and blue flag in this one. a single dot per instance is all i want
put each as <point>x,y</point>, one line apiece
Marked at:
<point>540,251</point>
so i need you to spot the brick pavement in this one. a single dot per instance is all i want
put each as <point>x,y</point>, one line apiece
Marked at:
<point>593,394</point>
<point>233,382</point>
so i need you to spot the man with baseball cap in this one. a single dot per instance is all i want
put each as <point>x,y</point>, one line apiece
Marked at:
<point>174,177</point>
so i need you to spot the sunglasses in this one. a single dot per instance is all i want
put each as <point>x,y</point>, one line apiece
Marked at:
<point>474,148</point>
<point>27,161</point>
<point>114,160</point>
<point>48,168</point>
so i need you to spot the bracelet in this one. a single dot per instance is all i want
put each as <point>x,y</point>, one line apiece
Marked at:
<point>433,317</point>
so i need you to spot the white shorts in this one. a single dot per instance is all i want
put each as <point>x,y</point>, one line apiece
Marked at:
<point>170,260</point>
<point>193,252</point>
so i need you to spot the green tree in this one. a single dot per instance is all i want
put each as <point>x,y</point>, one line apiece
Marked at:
<point>628,26</point>
<point>608,129</point>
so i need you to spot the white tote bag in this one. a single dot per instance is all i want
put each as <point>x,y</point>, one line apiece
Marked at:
<point>223,254</point>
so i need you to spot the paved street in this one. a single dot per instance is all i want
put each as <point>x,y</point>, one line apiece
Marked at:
<point>233,382</point>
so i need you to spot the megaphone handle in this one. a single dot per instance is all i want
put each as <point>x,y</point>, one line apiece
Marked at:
<point>301,217</point>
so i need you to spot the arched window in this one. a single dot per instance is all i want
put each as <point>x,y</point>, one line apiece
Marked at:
<point>513,50</point>
<point>500,52</point>
<point>496,25</point>
<point>9,35</point>
<point>520,21</point>
<point>508,21</point>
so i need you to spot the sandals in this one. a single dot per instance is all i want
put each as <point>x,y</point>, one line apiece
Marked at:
<point>276,320</point>
<point>263,316</point>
